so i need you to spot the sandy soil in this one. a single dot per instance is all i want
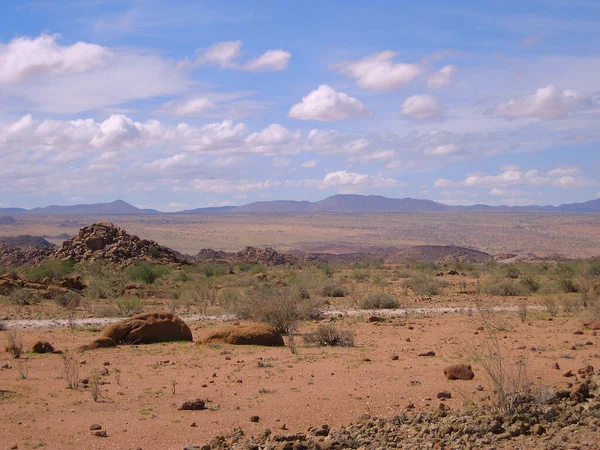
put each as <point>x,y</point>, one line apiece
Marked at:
<point>310,388</point>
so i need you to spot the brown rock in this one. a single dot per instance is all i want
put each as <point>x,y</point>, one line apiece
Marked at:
<point>444,394</point>
<point>459,372</point>
<point>555,366</point>
<point>254,419</point>
<point>429,353</point>
<point>194,404</point>
<point>586,370</point>
<point>100,433</point>
<point>73,282</point>
<point>42,347</point>
<point>102,342</point>
<point>250,334</point>
<point>95,426</point>
<point>568,374</point>
<point>148,328</point>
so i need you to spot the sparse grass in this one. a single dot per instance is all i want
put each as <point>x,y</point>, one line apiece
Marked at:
<point>330,335</point>
<point>504,288</point>
<point>331,290</point>
<point>70,370</point>
<point>95,382</point>
<point>551,306</point>
<point>146,272</point>
<point>50,268</point>
<point>129,306</point>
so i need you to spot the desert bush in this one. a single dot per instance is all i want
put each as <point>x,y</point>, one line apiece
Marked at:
<point>522,309</point>
<point>102,280</point>
<point>504,288</point>
<point>551,306</point>
<point>564,275</point>
<point>94,384</point>
<point>326,268</point>
<point>129,306</point>
<point>512,385</point>
<point>379,301</point>
<point>146,272</point>
<point>569,303</point>
<point>360,275</point>
<point>281,307</point>
<point>329,335</point>
<point>425,285</point>
<point>70,370</point>
<point>23,368</point>
<point>531,283</point>
<point>427,267</point>
<point>258,268</point>
<point>14,344</point>
<point>68,300</point>
<point>512,272</point>
<point>214,270</point>
<point>332,290</point>
<point>23,297</point>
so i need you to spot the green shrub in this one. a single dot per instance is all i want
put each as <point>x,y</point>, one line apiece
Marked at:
<point>146,272</point>
<point>425,285</point>
<point>331,290</point>
<point>513,272</point>
<point>360,275</point>
<point>23,297</point>
<point>129,306</point>
<point>379,301</point>
<point>326,268</point>
<point>504,288</point>
<point>329,335</point>
<point>531,283</point>
<point>214,270</point>
<point>69,300</point>
<point>244,266</point>
<point>50,268</point>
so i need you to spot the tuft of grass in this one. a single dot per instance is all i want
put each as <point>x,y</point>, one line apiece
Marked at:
<point>146,272</point>
<point>15,343</point>
<point>425,285</point>
<point>50,268</point>
<point>504,288</point>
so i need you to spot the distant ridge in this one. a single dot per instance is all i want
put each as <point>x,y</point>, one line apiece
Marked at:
<point>342,203</point>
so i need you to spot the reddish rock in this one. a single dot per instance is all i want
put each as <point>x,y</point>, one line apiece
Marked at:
<point>194,404</point>
<point>148,328</point>
<point>459,372</point>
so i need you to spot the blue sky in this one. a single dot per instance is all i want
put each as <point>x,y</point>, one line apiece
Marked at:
<point>176,105</point>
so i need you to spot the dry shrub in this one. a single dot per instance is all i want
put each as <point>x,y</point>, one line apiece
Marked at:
<point>504,288</point>
<point>551,306</point>
<point>70,371</point>
<point>380,301</point>
<point>23,297</point>
<point>331,290</point>
<point>23,368</point>
<point>329,335</point>
<point>425,285</point>
<point>95,383</point>
<point>15,343</point>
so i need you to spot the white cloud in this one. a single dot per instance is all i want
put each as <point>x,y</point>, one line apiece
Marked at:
<point>546,103</point>
<point>325,104</point>
<point>222,54</point>
<point>442,77</point>
<point>224,186</point>
<point>562,171</point>
<point>378,71</point>
<point>190,107</point>
<point>26,57</point>
<point>421,107</point>
<point>348,181</point>
<point>226,54</point>
<point>509,178</point>
<point>309,164</point>
<point>443,150</point>
<point>343,178</point>
<point>271,60</point>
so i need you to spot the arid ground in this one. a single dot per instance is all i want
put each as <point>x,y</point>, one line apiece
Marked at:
<point>572,235</point>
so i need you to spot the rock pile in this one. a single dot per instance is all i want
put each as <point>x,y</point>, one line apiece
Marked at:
<point>46,288</point>
<point>106,241</point>
<point>568,419</point>
<point>252,255</point>
<point>11,256</point>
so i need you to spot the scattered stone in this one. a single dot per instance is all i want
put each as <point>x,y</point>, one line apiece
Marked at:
<point>444,395</point>
<point>395,357</point>
<point>578,332</point>
<point>555,366</point>
<point>254,419</point>
<point>100,433</point>
<point>459,372</point>
<point>568,374</point>
<point>95,426</point>
<point>586,370</point>
<point>429,353</point>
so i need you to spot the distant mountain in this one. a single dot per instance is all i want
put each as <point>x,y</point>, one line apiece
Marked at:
<point>343,203</point>
<point>118,207</point>
<point>26,240</point>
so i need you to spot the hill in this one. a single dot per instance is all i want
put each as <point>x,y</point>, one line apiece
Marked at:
<point>7,220</point>
<point>118,207</point>
<point>26,240</point>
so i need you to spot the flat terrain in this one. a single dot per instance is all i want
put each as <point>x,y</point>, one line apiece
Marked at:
<point>572,235</point>
<point>310,388</point>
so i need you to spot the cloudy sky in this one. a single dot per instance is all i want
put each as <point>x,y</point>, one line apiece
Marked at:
<point>184,104</point>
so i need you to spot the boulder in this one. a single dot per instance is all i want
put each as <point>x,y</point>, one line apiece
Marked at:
<point>195,404</point>
<point>147,328</point>
<point>73,282</point>
<point>249,334</point>
<point>42,347</point>
<point>459,372</point>
<point>103,342</point>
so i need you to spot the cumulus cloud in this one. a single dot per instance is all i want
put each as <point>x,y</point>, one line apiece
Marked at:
<point>346,180</point>
<point>546,103</point>
<point>442,77</point>
<point>271,60</point>
<point>309,164</point>
<point>225,186</point>
<point>227,54</point>
<point>379,71</point>
<point>325,104</point>
<point>421,107</point>
<point>26,57</point>
<point>189,107</point>
<point>343,178</point>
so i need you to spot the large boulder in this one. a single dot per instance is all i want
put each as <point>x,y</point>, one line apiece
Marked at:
<point>42,347</point>
<point>147,328</point>
<point>249,334</point>
<point>459,372</point>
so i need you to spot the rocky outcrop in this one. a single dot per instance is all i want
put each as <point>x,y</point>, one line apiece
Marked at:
<point>111,243</point>
<point>148,328</point>
<point>26,241</point>
<point>101,342</point>
<point>46,288</point>
<point>252,255</point>
<point>249,334</point>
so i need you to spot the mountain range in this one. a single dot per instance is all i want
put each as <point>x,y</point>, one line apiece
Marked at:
<point>343,203</point>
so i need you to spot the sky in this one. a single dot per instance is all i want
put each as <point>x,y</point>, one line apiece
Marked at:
<point>184,104</point>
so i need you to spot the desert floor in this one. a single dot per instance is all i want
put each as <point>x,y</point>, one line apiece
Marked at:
<point>312,387</point>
